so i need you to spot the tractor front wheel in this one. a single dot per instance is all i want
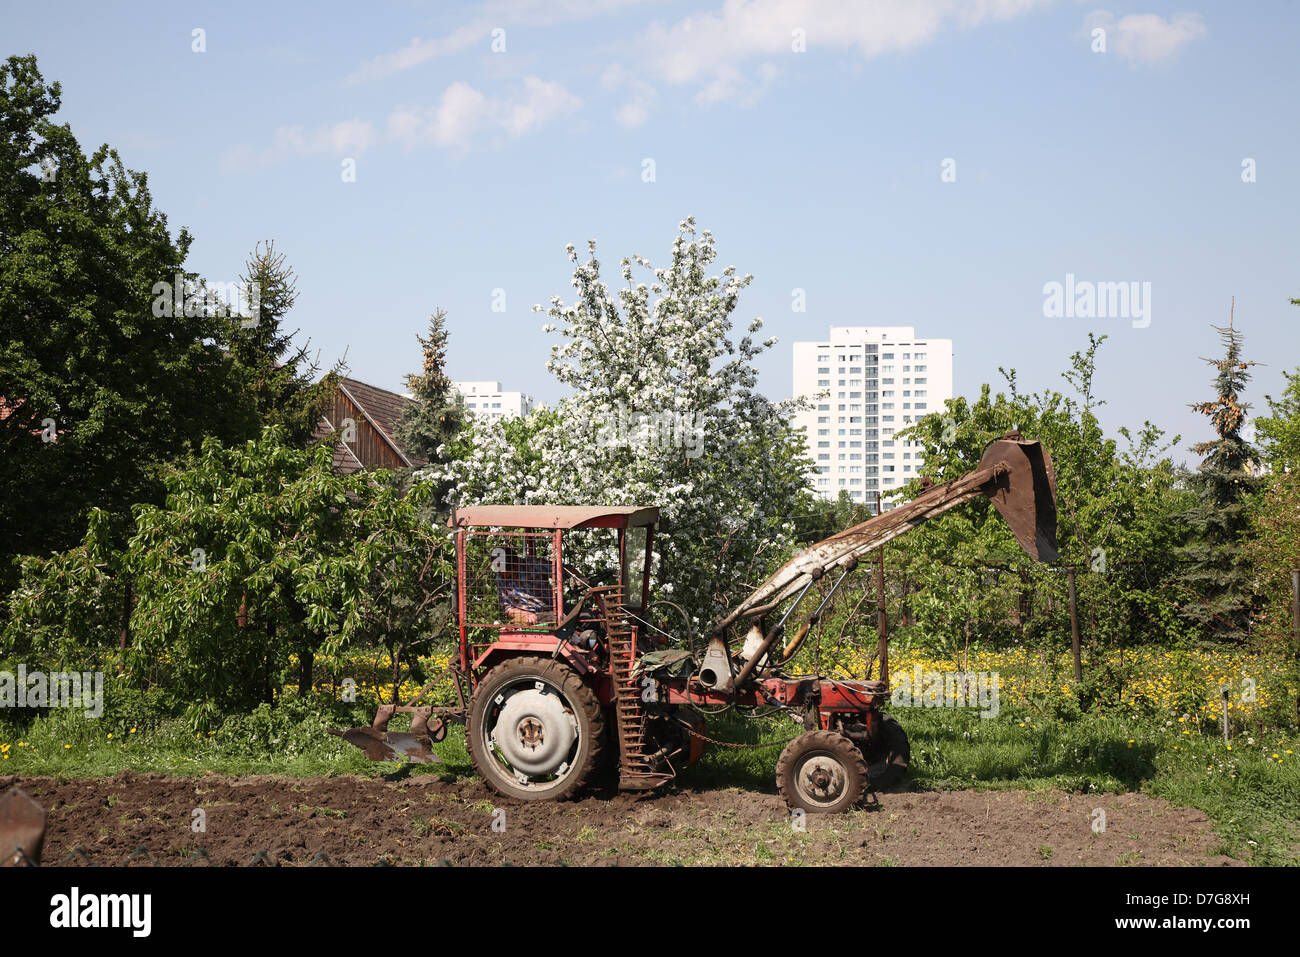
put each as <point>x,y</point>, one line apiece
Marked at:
<point>535,731</point>
<point>821,772</point>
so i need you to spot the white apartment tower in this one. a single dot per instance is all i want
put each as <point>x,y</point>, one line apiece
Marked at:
<point>865,385</point>
<point>486,399</point>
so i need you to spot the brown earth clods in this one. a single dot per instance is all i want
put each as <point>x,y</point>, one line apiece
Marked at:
<point>138,819</point>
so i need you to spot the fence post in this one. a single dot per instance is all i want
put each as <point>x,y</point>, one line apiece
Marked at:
<point>1295,624</point>
<point>1074,627</point>
<point>882,624</point>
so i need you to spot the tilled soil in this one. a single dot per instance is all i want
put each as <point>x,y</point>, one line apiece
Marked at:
<point>137,819</point>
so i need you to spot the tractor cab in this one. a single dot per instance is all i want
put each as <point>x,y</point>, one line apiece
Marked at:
<point>537,578</point>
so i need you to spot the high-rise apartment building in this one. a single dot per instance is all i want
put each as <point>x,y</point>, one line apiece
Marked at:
<point>487,399</point>
<point>866,384</point>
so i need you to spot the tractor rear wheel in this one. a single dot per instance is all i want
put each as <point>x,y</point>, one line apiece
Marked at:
<point>888,755</point>
<point>821,772</point>
<point>535,731</point>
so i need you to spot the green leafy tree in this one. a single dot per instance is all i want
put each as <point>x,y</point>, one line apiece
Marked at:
<point>1219,575</point>
<point>260,554</point>
<point>1273,551</point>
<point>99,388</point>
<point>966,576</point>
<point>1279,432</point>
<point>278,376</point>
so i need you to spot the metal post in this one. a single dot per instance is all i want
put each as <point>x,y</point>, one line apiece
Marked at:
<point>882,623</point>
<point>1295,623</point>
<point>1074,628</point>
<point>1223,693</point>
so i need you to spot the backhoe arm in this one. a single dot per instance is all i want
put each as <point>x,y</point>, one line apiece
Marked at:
<point>1016,474</point>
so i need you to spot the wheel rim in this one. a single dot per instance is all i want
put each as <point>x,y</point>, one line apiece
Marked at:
<point>532,734</point>
<point>820,778</point>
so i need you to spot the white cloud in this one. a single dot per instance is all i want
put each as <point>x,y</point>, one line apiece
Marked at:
<point>640,96</point>
<point>1147,37</point>
<point>714,50</point>
<point>502,13</point>
<point>463,112</point>
<point>348,138</point>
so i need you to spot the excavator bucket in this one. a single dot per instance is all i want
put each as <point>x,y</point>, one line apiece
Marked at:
<point>1025,494</point>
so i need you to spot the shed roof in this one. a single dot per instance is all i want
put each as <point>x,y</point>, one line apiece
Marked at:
<point>554,516</point>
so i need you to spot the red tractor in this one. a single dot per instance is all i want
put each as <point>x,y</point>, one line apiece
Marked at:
<point>568,675</point>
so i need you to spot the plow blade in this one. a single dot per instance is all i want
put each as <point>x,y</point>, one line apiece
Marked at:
<point>415,745</point>
<point>390,745</point>
<point>22,829</point>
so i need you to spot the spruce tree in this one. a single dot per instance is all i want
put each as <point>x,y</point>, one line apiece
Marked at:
<point>1218,573</point>
<point>279,378</point>
<point>439,411</point>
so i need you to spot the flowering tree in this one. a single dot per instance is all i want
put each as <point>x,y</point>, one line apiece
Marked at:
<point>664,411</point>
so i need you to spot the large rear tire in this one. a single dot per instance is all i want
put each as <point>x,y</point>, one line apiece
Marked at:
<point>535,731</point>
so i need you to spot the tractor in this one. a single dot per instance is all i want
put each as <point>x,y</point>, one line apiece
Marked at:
<point>562,677</point>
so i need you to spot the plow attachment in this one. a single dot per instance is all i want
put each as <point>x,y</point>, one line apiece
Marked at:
<point>415,745</point>
<point>1015,474</point>
<point>22,829</point>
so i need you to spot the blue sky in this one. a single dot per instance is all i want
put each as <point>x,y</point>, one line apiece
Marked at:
<point>818,169</point>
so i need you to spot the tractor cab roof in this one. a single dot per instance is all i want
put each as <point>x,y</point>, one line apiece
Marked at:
<point>553,516</point>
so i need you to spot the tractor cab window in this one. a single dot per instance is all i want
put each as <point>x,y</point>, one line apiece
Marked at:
<point>634,541</point>
<point>523,586</point>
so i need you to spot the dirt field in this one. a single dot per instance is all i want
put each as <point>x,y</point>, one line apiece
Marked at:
<point>426,820</point>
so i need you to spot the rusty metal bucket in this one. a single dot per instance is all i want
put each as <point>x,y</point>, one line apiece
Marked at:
<point>1025,493</point>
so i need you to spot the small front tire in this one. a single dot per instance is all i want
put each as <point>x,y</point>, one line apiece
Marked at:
<point>822,772</point>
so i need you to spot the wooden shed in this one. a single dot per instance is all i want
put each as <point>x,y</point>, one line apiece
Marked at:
<point>362,418</point>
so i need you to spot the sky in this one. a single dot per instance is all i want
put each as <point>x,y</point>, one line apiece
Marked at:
<point>929,163</point>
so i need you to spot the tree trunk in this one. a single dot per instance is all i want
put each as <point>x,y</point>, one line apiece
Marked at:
<point>127,601</point>
<point>397,669</point>
<point>268,693</point>
<point>306,659</point>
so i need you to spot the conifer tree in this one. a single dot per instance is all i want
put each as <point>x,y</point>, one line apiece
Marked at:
<point>438,413</point>
<point>1218,573</point>
<point>279,378</point>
